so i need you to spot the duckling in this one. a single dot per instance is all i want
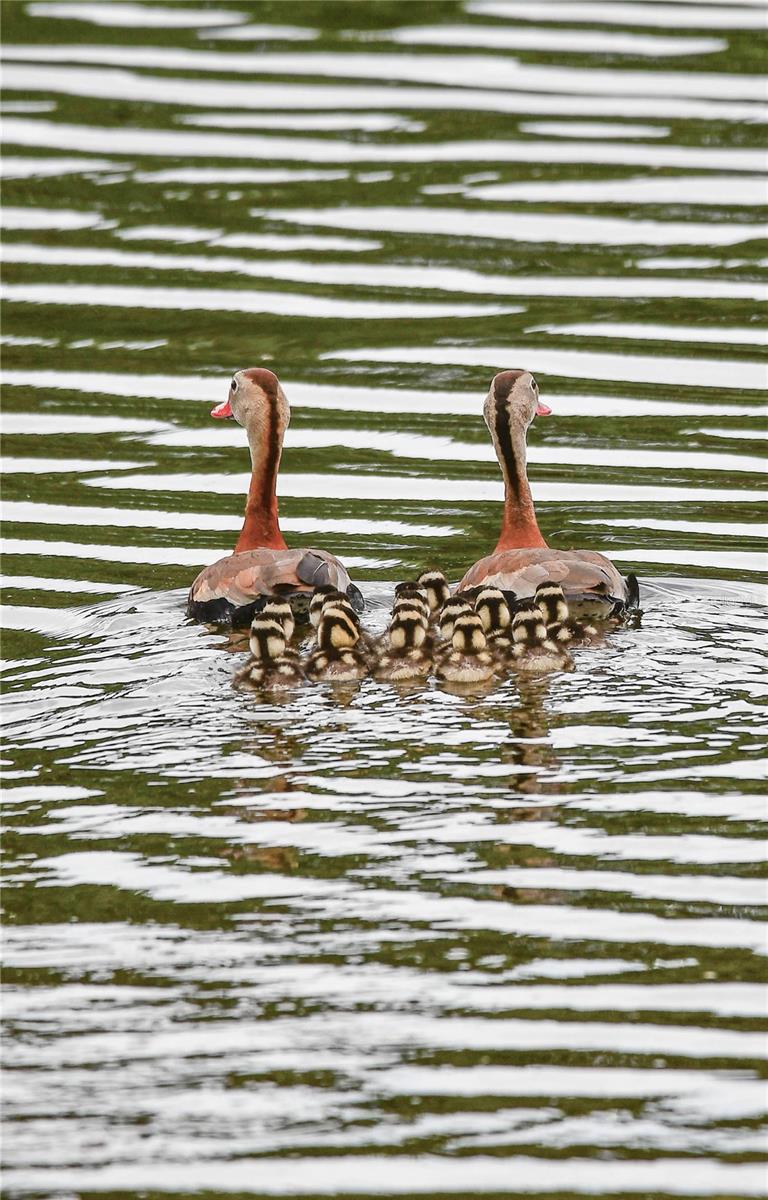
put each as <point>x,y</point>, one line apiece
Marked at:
<point>280,610</point>
<point>436,587</point>
<point>339,655</point>
<point>493,610</point>
<point>453,608</point>
<point>562,628</point>
<point>532,650</point>
<point>407,647</point>
<point>322,595</point>
<point>411,592</point>
<point>467,659</point>
<point>272,664</point>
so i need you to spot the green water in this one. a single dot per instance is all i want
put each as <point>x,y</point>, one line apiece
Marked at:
<point>376,942</point>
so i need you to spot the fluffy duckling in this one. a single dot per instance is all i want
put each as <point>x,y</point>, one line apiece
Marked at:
<point>339,655</point>
<point>412,594</point>
<point>320,597</point>
<point>407,647</point>
<point>436,587</point>
<point>493,610</point>
<point>561,626</point>
<point>467,659</point>
<point>453,608</point>
<point>532,651</point>
<point>272,665</point>
<point>280,610</point>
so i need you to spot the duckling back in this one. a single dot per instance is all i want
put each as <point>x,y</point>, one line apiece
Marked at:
<point>338,655</point>
<point>436,588</point>
<point>453,608</point>
<point>561,627</point>
<point>406,651</point>
<point>467,658</point>
<point>532,650</point>
<point>271,664</point>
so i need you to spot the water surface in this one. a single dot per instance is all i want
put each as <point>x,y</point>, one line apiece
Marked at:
<point>381,942</point>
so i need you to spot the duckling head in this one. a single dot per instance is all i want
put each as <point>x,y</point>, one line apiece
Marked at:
<point>280,610</point>
<point>436,587</point>
<point>453,608</point>
<point>493,610</point>
<point>550,599</point>
<point>267,638</point>
<point>528,628</point>
<point>336,631</point>
<point>415,605</point>
<point>468,636</point>
<point>408,629</point>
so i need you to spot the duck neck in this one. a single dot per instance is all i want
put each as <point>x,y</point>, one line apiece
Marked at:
<point>519,527</point>
<point>261,529</point>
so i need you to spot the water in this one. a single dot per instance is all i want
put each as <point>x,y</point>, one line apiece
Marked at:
<point>379,942</point>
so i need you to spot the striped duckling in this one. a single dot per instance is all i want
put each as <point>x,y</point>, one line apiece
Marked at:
<point>561,626</point>
<point>279,609</point>
<point>412,594</point>
<point>406,648</point>
<point>467,658</point>
<point>272,665</point>
<point>454,607</point>
<point>339,656</point>
<point>532,651</point>
<point>435,586</point>
<point>492,609</point>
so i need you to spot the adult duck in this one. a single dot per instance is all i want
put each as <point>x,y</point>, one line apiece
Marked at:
<point>522,559</point>
<point>232,589</point>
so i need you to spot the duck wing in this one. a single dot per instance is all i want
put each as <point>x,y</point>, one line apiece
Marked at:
<point>591,583</point>
<point>230,590</point>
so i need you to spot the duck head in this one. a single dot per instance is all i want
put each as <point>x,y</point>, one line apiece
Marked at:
<point>257,402</point>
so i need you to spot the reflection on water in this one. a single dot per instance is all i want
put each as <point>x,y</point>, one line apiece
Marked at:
<point>379,940</point>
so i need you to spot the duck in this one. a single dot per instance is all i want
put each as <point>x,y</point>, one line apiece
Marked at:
<point>279,609</point>
<point>592,585</point>
<point>407,647</point>
<point>329,600</point>
<point>453,608</point>
<point>562,628</point>
<point>532,651</point>
<point>229,591</point>
<point>467,658</point>
<point>436,588</point>
<point>339,656</point>
<point>272,665</point>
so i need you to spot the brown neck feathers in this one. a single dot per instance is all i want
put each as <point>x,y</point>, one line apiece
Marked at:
<point>260,527</point>
<point>519,527</point>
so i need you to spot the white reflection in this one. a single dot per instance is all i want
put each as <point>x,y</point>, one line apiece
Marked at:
<point>261,33</point>
<point>65,466</point>
<point>185,143</point>
<point>50,218</point>
<point>405,487</point>
<point>142,518</point>
<point>665,370</point>
<point>661,333</point>
<point>571,41</point>
<point>40,422</point>
<point>194,299</point>
<point>356,398</point>
<point>30,168</point>
<point>500,72</point>
<point>709,528</point>
<point>687,264</point>
<point>164,233</point>
<point>593,129</point>
<point>227,93</point>
<point>447,279</point>
<point>748,14</point>
<point>35,583</point>
<point>27,106</point>
<point>371,122</point>
<point>158,555</point>
<point>642,189</point>
<point>139,16</point>
<point>237,175</point>
<point>522,227</point>
<point>668,887</point>
<point>731,560</point>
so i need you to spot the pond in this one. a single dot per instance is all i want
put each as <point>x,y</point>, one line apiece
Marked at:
<point>382,942</point>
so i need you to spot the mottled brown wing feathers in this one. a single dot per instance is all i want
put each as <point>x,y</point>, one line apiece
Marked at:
<point>239,578</point>
<point>521,571</point>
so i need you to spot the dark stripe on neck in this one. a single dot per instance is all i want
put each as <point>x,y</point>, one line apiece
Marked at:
<point>271,453</point>
<point>506,451</point>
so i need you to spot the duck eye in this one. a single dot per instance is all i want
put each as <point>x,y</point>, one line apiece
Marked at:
<point>233,385</point>
<point>534,385</point>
